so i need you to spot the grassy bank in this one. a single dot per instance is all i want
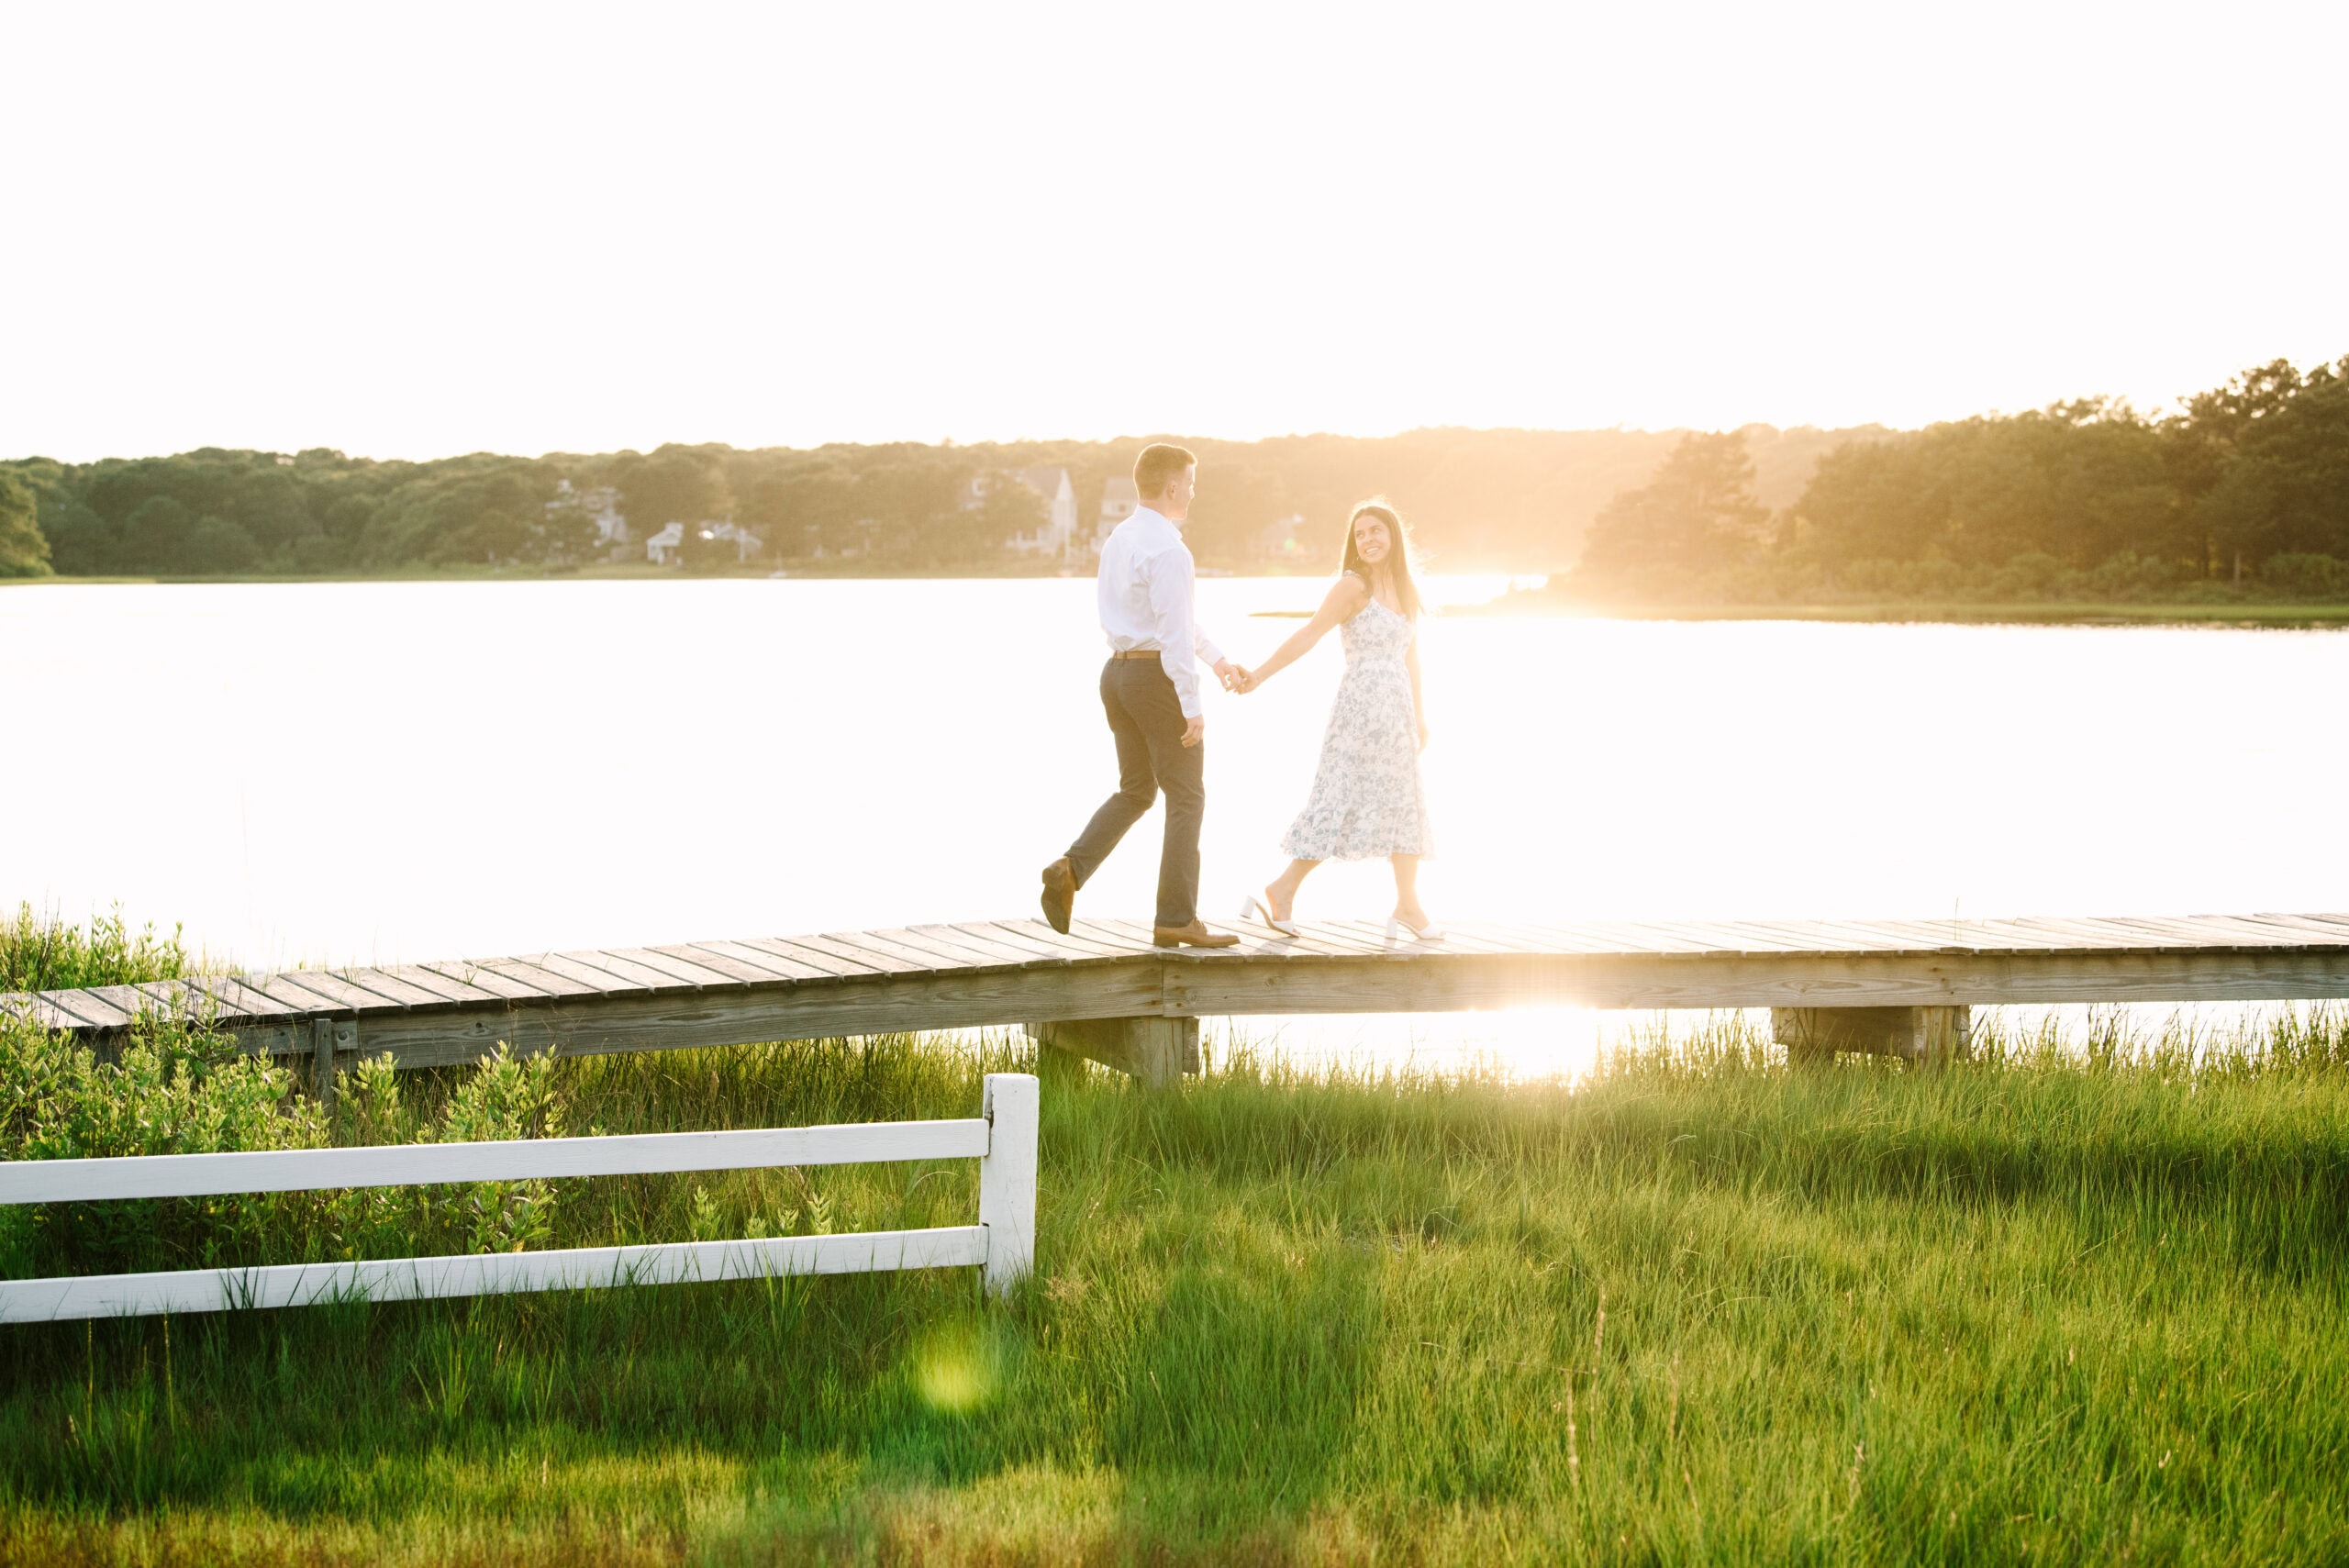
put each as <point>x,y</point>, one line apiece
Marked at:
<point>2082,1306</point>
<point>592,571</point>
<point>2086,613</point>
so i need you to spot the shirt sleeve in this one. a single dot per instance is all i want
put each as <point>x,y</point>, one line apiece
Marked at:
<point>1169,574</point>
<point>1207,652</point>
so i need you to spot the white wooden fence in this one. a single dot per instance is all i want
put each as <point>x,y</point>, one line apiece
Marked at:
<point>1002,1137</point>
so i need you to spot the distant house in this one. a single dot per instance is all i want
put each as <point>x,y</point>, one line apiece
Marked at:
<point>667,548</point>
<point>1056,535</point>
<point>746,543</point>
<point>601,505</point>
<point>1119,500</point>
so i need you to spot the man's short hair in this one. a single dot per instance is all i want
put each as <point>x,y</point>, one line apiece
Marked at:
<point>1159,466</point>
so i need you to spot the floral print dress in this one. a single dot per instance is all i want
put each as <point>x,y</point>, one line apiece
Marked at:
<point>1367,797</point>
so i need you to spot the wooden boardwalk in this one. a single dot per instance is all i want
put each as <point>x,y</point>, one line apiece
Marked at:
<point>1878,976</point>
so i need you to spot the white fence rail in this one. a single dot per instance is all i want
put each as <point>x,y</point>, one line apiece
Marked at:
<point>1002,1137</point>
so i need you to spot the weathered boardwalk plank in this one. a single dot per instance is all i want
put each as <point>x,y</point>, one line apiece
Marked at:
<point>978,973</point>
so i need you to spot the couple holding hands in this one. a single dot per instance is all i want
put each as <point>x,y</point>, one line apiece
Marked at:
<point>1367,798</point>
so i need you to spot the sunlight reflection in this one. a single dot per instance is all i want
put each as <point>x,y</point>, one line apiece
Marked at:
<point>1520,1044</point>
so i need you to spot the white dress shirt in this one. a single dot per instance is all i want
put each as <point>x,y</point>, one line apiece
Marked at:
<point>1146,600</point>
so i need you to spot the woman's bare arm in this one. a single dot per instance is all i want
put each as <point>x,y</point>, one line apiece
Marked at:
<point>1344,601</point>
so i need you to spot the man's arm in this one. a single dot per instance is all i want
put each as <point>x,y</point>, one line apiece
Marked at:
<point>1169,575</point>
<point>1230,675</point>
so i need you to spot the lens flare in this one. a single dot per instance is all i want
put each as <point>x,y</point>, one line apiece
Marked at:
<point>957,1368</point>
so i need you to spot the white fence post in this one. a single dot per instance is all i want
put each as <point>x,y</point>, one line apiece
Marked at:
<point>1007,1179</point>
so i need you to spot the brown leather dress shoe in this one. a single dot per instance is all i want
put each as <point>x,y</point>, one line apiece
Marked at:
<point>1060,894</point>
<point>1195,935</point>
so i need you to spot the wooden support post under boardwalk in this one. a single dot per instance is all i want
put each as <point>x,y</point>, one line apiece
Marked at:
<point>1926,1035</point>
<point>1152,1050</point>
<point>328,1036</point>
<point>322,1063</point>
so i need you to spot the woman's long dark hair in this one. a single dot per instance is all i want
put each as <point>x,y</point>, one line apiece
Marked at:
<point>1399,551</point>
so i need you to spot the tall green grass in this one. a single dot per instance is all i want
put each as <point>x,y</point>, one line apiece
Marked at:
<point>2073,1300</point>
<point>41,952</point>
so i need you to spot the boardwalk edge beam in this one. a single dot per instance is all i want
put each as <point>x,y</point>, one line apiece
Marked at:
<point>1105,992</point>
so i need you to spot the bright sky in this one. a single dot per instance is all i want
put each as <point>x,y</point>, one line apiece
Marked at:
<point>410,230</point>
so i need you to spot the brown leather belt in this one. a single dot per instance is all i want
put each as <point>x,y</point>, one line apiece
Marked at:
<point>1137,654</point>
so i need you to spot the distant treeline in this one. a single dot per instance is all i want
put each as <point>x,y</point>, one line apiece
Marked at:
<point>2243,493</point>
<point>1508,500</point>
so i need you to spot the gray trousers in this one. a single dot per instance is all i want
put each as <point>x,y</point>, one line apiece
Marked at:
<point>1146,718</point>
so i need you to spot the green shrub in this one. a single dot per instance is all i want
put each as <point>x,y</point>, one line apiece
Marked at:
<point>170,1089</point>
<point>173,1087</point>
<point>2306,576</point>
<point>42,954</point>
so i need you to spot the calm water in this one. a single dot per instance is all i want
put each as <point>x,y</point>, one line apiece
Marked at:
<point>394,771</point>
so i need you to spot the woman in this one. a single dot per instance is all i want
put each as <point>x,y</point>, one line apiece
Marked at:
<point>1367,798</point>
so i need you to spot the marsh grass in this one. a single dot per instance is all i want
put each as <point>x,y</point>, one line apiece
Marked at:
<point>2078,1299</point>
<point>42,952</point>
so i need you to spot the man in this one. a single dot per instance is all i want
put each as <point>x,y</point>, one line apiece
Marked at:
<point>1150,690</point>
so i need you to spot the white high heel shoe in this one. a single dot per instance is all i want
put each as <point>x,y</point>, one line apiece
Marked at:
<point>1397,925</point>
<point>1253,907</point>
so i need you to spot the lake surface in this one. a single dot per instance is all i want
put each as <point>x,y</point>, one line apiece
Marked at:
<point>395,772</point>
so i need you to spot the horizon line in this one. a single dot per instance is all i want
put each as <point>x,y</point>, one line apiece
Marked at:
<point>951,444</point>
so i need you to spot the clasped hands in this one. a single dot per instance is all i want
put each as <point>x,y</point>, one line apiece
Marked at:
<point>1236,677</point>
